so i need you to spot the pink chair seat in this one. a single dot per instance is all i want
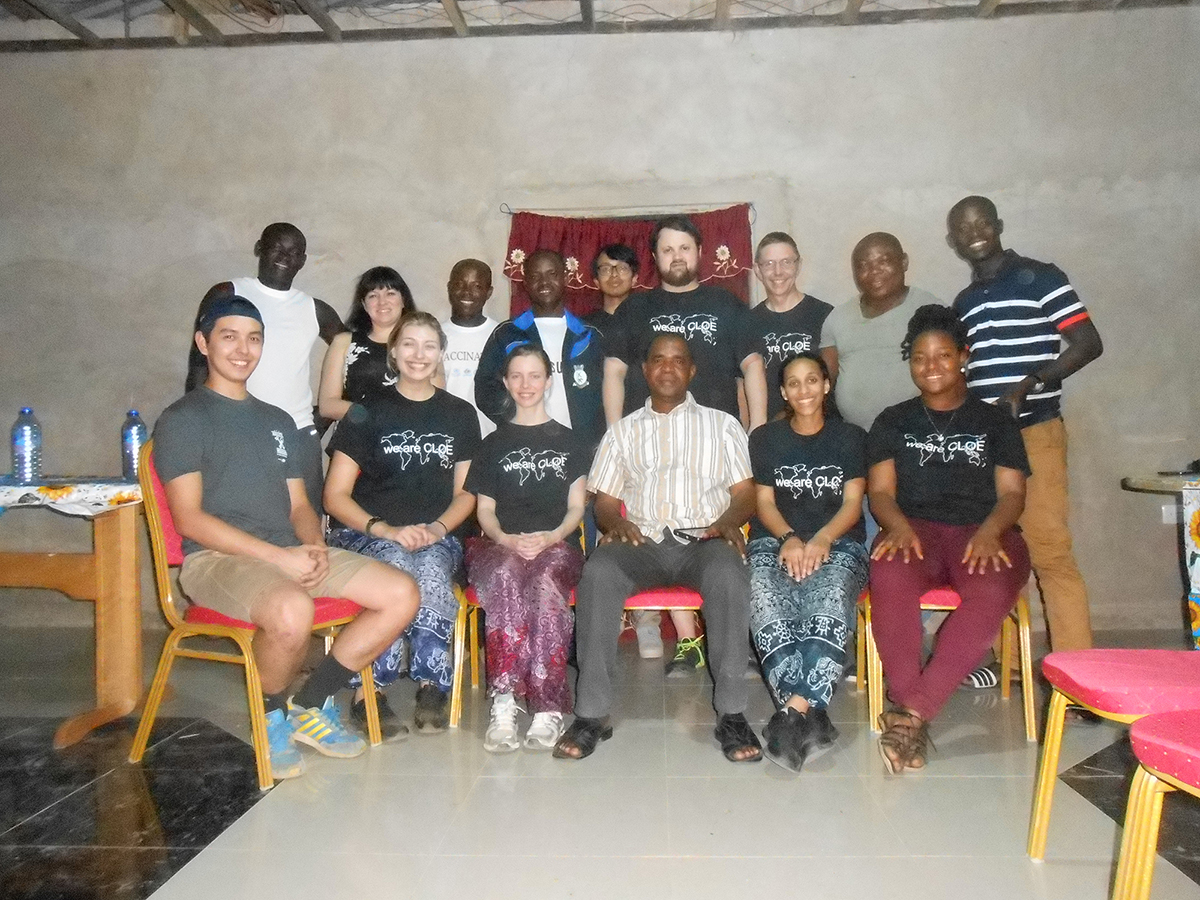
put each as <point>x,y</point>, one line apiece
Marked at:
<point>1127,682</point>
<point>1169,743</point>
<point>943,596</point>
<point>655,598</point>
<point>325,610</point>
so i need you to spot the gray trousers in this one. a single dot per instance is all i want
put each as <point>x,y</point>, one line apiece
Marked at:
<point>615,572</point>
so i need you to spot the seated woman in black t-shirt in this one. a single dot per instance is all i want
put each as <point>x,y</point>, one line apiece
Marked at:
<point>807,560</point>
<point>356,363</point>
<point>947,485</point>
<point>395,492</point>
<point>530,478</point>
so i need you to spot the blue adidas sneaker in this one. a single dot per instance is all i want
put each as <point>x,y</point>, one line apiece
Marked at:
<point>286,761</point>
<point>322,730</point>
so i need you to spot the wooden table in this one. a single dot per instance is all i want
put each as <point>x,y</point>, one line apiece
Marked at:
<point>1188,487</point>
<point>109,576</point>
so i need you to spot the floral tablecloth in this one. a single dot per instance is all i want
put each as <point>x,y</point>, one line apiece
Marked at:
<point>1191,554</point>
<point>85,497</point>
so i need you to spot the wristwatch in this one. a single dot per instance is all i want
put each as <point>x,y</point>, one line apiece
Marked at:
<point>786,536</point>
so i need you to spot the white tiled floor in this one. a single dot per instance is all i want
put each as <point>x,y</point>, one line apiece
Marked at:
<point>657,812</point>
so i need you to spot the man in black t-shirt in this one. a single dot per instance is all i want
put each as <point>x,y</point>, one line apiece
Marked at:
<point>709,318</point>
<point>615,270</point>
<point>788,321</point>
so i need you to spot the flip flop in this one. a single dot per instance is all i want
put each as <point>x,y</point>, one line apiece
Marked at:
<point>584,734</point>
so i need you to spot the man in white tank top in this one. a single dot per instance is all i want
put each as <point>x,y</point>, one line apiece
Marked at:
<point>467,331</point>
<point>292,322</point>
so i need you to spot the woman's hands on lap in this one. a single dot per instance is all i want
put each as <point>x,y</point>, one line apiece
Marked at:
<point>410,537</point>
<point>985,547</point>
<point>801,558</point>
<point>902,540</point>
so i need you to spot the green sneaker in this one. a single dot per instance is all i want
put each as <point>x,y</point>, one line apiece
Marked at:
<point>689,656</point>
<point>322,730</point>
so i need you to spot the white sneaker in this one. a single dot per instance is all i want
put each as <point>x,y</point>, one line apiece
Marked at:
<point>501,735</point>
<point>646,624</point>
<point>544,732</point>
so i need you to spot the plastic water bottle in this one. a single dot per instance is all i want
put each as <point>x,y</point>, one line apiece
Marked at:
<point>133,436</point>
<point>26,447</point>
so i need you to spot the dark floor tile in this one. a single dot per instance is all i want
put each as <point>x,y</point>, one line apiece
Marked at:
<point>135,806</point>
<point>1104,778</point>
<point>83,873</point>
<point>10,725</point>
<point>200,745</point>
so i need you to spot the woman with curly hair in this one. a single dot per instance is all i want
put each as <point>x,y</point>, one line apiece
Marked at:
<point>947,485</point>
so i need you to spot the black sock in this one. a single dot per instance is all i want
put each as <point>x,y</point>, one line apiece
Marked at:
<point>275,702</point>
<point>327,679</point>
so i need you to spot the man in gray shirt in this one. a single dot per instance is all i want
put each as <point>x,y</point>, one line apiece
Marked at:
<point>860,340</point>
<point>254,549</point>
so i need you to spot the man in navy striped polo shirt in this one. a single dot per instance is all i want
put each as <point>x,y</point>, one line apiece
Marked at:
<point>1028,331</point>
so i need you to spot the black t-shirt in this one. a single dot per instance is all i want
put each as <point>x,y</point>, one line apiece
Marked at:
<point>406,451</point>
<point>945,461</point>
<point>528,470</point>
<point>778,336</point>
<point>808,473</point>
<point>367,372</point>
<point>709,318</point>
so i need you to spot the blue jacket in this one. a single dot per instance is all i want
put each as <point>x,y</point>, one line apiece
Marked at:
<point>583,372</point>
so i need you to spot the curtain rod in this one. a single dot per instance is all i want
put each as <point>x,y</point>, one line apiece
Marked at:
<point>648,212</point>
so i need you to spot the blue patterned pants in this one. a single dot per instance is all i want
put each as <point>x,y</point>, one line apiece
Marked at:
<point>801,628</point>
<point>428,636</point>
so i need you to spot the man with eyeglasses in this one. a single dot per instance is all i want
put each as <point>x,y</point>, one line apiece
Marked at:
<point>615,269</point>
<point>788,321</point>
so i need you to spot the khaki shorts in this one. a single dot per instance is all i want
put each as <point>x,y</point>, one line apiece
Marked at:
<point>231,585</point>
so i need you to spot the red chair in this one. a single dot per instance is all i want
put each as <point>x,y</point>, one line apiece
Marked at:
<point>870,668</point>
<point>1121,685</point>
<point>1167,746</point>
<point>166,549</point>
<point>666,598</point>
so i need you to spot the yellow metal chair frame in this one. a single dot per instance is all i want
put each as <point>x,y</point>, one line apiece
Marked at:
<point>870,667</point>
<point>1043,795</point>
<point>182,630</point>
<point>1139,842</point>
<point>467,620</point>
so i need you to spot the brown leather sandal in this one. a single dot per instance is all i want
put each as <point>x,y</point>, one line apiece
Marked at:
<point>898,741</point>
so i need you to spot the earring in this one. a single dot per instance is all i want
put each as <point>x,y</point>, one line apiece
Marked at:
<point>963,369</point>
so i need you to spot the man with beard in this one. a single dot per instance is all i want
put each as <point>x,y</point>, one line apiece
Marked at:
<point>294,320</point>
<point>576,359</point>
<point>709,319</point>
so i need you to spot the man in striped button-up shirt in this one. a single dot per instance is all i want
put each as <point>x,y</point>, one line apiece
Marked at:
<point>1028,331</point>
<point>683,473</point>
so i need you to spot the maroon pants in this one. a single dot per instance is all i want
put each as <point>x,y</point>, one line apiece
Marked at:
<point>966,635</point>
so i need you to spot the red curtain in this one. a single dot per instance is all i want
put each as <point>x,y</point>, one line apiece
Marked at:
<point>725,253</point>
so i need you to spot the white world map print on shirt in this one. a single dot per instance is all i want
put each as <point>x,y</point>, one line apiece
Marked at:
<point>701,324</point>
<point>949,447</point>
<point>422,448</point>
<point>814,482</point>
<point>525,462</point>
<point>781,346</point>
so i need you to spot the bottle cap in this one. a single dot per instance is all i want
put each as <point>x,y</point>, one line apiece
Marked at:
<point>25,410</point>
<point>133,412</point>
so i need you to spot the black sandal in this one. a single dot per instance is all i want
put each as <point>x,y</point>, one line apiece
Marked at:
<point>734,734</point>
<point>584,734</point>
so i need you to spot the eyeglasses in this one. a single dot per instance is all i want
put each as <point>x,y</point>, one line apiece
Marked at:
<point>614,269</point>
<point>780,265</point>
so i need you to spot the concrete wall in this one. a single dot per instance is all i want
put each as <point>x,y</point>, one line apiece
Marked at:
<point>131,181</point>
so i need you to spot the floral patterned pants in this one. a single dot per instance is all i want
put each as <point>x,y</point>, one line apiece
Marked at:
<point>428,636</point>
<point>528,619</point>
<point>801,628</point>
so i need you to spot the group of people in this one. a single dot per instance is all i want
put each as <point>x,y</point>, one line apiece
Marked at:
<point>891,441</point>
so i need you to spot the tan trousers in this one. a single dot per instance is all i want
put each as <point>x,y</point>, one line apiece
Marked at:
<point>1044,524</point>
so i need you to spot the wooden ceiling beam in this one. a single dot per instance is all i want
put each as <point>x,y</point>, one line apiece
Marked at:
<point>587,14</point>
<point>455,14</point>
<point>21,10</point>
<point>322,18</point>
<point>850,13</point>
<point>196,19</point>
<point>52,12</point>
<point>721,15</point>
<point>986,8</point>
